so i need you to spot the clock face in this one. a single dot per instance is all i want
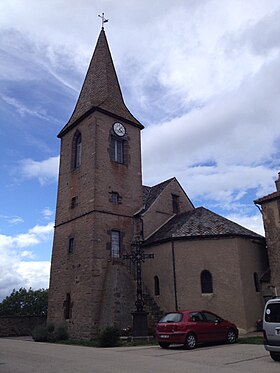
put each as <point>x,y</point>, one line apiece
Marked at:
<point>119,129</point>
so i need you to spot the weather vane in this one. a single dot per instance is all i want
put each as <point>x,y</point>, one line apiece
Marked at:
<point>104,20</point>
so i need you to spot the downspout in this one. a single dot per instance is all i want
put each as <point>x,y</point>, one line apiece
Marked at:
<point>174,275</point>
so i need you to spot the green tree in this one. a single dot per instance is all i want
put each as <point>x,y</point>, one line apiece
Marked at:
<point>24,302</point>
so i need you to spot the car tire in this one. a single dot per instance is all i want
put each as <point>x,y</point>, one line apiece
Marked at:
<point>164,344</point>
<point>190,342</point>
<point>231,336</point>
<point>275,356</point>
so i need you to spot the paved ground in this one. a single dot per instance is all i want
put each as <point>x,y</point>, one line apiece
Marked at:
<point>24,356</point>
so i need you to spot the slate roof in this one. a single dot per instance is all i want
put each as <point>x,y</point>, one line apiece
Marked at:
<point>198,223</point>
<point>268,197</point>
<point>101,89</point>
<point>150,194</point>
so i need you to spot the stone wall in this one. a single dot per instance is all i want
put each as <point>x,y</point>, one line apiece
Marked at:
<point>232,262</point>
<point>19,325</point>
<point>271,219</point>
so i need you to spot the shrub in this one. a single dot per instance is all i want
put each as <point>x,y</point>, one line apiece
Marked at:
<point>40,333</point>
<point>50,327</point>
<point>109,337</point>
<point>61,333</point>
<point>49,333</point>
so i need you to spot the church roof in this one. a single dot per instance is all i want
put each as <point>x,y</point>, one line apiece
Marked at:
<point>199,223</point>
<point>268,197</point>
<point>150,194</point>
<point>101,90</point>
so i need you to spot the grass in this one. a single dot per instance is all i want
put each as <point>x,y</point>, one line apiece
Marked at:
<point>94,343</point>
<point>251,340</point>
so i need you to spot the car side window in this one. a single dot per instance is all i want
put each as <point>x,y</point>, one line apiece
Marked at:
<point>210,317</point>
<point>196,317</point>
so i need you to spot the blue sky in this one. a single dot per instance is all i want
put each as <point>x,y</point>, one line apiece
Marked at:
<point>202,76</point>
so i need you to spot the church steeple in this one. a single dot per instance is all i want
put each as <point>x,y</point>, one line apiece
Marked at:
<point>101,90</point>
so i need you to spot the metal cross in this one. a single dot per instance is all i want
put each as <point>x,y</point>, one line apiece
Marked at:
<point>104,20</point>
<point>138,257</point>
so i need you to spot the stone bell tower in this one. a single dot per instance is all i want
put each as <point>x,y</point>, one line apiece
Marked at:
<point>99,191</point>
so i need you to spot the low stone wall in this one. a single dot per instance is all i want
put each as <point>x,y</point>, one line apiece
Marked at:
<point>19,325</point>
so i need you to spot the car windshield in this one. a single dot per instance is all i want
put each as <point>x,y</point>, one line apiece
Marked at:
<point>272,312</point>
<point>172,317</point>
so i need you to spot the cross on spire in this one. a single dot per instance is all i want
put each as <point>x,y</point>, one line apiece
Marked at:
<point>103,20</point>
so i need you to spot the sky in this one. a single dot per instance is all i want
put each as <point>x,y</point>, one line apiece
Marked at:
<point>203,76</point>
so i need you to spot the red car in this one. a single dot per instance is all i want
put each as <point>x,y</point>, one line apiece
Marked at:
<point>194,327</point>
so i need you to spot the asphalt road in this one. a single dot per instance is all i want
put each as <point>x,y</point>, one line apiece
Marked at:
<point>19,356</point>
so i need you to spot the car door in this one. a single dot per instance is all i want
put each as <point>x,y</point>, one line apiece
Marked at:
<point>216,326</point>
<point>201,327</point>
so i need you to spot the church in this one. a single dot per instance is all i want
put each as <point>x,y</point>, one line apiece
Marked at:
<point>200,259</point>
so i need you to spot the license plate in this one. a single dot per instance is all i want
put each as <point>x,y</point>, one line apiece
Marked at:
<point>164,336</point>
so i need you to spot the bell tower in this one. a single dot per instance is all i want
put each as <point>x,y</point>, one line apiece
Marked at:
<point>99,191</point>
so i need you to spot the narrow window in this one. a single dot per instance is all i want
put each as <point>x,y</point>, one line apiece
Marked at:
<point>74,202</point>
<point>115,198</point>
<point>175,203</point>
<point>77,150</point>
<point>67,307</point>
<point>256,282</point>
<point>206,282</point>
<point>118,150</point>
<point>156,283</point>
<point>71,246</point>
<point>115,244</point>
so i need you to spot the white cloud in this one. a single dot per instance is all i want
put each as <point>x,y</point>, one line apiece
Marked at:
<point>23,110</point>
<point>35,274</point>
<point>17,265</point>
<point>47,213</point>
<point>254,222</point>
<point>45,171</point>
<point>13,220</point>
<point>27,254</point>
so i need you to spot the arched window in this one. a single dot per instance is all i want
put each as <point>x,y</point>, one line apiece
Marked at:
<point>77,149</point>
<point>256,282</point>
<point>156,282</point>
<point>206,282</point>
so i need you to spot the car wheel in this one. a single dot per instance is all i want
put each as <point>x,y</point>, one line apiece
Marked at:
<point>190,342</point>
<point>231,336</point>
<point>164,344</point>
<point>275,356</point>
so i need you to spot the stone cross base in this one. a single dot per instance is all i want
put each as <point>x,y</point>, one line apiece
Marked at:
<point>140,323</point>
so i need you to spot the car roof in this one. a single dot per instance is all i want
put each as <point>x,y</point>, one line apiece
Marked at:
<point>273,300</point>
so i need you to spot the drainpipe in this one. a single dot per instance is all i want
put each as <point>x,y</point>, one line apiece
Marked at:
<point>174,275</point>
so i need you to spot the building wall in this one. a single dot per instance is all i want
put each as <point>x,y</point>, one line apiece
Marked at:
<point>87,273</point>
<point>271,219</point>
<point>162,210</point>
<point>231,298</point>
<point>253,259</point>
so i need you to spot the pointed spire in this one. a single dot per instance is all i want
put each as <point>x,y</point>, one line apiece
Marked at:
<point>101,89</point>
